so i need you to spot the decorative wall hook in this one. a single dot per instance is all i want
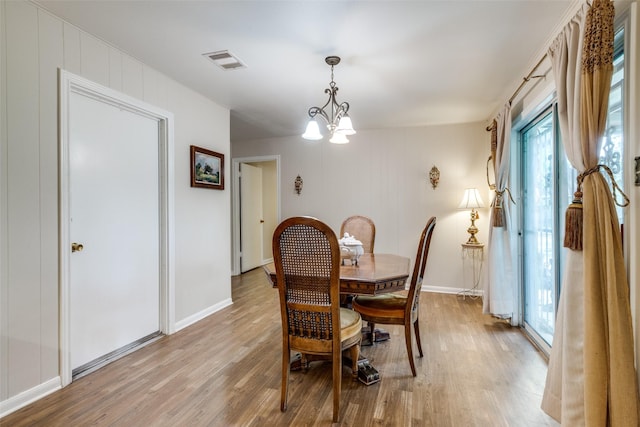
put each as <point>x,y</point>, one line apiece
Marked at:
<point>298,185</point>
<point>434,176</point>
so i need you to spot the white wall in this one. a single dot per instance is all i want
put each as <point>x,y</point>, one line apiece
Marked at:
<point>33,45</point>
<point>384,174</point>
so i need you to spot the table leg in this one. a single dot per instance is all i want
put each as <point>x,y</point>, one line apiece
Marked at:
<point>378,335</point>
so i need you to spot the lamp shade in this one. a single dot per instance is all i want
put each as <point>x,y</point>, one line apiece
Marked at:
<point>338,138</point>
<point>471,199</point>
<point>345,126</point>
<point>313,131</point>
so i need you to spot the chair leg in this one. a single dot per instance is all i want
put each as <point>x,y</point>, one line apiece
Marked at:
<point>407,338</point>
<point>286,359</point>
<point>355,355</point>
<point>416,329</point>
<point>337,382</point>
<point>372,333</point>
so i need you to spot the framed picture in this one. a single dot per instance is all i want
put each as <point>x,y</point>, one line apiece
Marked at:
<point>207,168</point>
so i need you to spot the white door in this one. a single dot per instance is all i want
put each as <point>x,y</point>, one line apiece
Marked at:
<point>251,222</point>
<point>114,284</point>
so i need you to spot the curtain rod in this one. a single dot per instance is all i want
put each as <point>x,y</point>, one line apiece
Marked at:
<point>524,81</point>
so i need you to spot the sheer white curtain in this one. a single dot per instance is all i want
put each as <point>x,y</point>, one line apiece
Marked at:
<point>500,290</point>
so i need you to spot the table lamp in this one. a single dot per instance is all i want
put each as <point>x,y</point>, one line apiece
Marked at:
<point>472,200</point>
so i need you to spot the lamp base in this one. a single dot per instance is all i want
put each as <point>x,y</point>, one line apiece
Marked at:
<point>472,238</point>
<point>473,230</point>
<point>473,241</point>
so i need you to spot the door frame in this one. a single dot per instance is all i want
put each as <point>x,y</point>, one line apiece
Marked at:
<point>70,83</point>
<point>235,202</point>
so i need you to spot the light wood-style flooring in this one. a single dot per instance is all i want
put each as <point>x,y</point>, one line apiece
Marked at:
<point>225,371</point>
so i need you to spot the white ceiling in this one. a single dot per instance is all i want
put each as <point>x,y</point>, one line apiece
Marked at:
<point>404,63</point>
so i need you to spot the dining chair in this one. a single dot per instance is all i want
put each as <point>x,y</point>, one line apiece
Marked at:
<point>307,261</point>
<point>394,309</point>
<point>362,228</point>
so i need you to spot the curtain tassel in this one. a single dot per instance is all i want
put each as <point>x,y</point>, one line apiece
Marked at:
<point>499,215</point>
<point>573,224</point>
<point>498,212</point>
<point>573,218</point>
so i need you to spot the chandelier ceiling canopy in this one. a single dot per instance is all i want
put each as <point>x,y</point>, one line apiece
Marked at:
<point>334,114</point>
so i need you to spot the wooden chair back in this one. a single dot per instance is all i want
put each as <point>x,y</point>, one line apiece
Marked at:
<point>419,267</point>
<point>307,260</point>
<point>362,228</point>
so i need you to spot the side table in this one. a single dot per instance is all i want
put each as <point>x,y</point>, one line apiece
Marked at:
<point>472,254</point>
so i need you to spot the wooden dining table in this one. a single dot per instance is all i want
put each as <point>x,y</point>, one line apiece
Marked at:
<point>374,274</point>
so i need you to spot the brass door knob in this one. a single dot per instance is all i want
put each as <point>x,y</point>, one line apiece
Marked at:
<point>76,247</point>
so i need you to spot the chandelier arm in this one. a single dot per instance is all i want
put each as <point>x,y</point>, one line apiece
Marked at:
<point>335,107</point>
<point>314,111</point>
<point>322,111</point>
<point>331,101</point>
<point>341,111</point>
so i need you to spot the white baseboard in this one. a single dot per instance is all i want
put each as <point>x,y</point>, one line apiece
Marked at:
<point>202,314</point>
<point>28,396</point>
<point>450,290</point>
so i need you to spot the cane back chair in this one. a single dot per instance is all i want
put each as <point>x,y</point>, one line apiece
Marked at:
<point>307,260</point>
<point>362,228</point>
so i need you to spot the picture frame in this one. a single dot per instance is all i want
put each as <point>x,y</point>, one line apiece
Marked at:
<point>207,168</point>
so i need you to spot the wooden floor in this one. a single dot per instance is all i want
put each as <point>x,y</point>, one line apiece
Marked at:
<point>225,371</point>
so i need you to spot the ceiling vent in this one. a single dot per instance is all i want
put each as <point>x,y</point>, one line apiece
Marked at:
<point>225,60</point>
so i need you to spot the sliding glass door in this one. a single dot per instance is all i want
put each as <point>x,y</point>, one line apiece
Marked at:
<point>547,186</point>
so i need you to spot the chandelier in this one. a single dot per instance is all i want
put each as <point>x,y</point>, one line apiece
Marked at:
<point>337,118</point>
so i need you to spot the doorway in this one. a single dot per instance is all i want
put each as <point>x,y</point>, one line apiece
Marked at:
<point>251,245</point>
<point>115,223</point>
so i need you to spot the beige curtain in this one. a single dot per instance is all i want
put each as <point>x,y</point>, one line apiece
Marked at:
<point>591,379</point>
<point>563,397</point>
<point>611,390</point>
<point>499,293</point>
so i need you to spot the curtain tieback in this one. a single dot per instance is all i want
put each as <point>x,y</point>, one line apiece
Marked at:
<point>491,186</point>
<point>498,212</point>
<point>573,218</point>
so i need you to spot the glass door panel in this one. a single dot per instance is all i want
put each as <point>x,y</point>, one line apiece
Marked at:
<point>539,224</point>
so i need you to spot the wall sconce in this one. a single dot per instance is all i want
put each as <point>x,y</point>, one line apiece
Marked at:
<point>434,177</point>
<point>298,185</point>
<point>472,200</point>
